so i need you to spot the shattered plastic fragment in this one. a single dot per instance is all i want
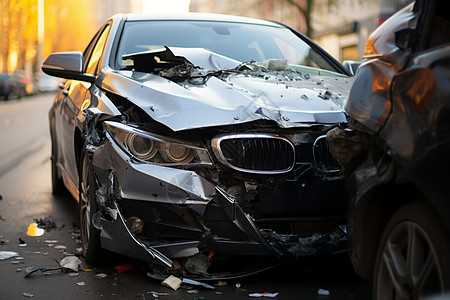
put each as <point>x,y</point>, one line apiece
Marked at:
<point>81,283</point>
<point>7,254</point>
<point>265,294</point>
<point>157,294</point>
<point>34,230</point>
<point>71,262</point>
<point>193,291</point>
<point>100,275</point>
<point>51,241</point>
<point>73,274</point>
<point>60,247</point>
<point>323,292</point>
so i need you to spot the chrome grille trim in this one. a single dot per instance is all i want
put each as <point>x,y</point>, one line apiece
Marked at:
<point>323,159</point>
<point>263,149</point>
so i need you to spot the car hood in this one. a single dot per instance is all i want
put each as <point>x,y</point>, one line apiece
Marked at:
<point>291,99</point>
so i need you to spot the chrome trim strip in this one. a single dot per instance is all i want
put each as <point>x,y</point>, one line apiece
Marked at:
<point>314,153</point>
<point>215,143</point>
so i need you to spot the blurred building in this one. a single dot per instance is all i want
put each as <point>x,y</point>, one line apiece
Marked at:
<point>343,26</point>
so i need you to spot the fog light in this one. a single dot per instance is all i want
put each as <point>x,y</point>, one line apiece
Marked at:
<point>135,225</point>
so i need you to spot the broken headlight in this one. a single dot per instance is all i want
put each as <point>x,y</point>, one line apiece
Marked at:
<point>152,148</point>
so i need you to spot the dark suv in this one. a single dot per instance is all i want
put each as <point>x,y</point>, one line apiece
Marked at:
<point>397,151</point>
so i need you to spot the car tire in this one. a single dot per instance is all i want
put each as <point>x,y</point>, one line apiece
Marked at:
<point>413,258</point>
<point>90,236</point>
<point>58,187</point>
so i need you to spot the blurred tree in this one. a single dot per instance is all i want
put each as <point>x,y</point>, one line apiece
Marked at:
<point>304,7</point>
<point>69,24</point>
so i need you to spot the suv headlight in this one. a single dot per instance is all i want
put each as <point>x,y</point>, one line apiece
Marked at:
<point>152,148</point>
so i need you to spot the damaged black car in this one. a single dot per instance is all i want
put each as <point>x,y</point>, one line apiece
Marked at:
<point>397,152</point>
<point>200,137</point>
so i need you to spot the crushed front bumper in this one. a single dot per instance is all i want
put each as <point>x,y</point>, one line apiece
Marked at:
<point>183,214</point>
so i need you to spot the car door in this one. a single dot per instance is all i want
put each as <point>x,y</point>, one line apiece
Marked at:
<point>76,98</point>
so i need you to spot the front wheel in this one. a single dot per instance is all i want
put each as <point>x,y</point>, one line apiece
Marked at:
<point>413,259</point>
<point>90,236</point>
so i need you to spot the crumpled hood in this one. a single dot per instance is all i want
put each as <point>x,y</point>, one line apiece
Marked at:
<point>286,97</point>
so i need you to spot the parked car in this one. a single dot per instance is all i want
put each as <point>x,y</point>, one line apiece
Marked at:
<point>200,137</point>
<point>397,151</point>
<point>11,87</point>
<point>47,83</point>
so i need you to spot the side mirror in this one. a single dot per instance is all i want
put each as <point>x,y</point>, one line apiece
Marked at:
<point>352,66</point>
<point>68,65</point>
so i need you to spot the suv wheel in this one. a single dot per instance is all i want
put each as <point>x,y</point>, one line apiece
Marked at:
<point>413,259</point>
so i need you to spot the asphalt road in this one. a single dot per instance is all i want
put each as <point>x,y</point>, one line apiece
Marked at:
<point>25,190</point>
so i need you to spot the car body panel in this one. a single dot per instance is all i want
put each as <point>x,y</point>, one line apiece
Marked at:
<point>398,110</point>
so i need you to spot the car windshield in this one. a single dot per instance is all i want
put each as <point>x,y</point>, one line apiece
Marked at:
<point>240,41</point>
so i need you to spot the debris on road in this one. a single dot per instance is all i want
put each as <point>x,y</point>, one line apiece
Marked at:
<point>157,294</point>
<point>48,223</point>
<point>322,292</point>
<point>67,264</point>
<point>28,295</point>
<point>123,268</point>
<point>70,262</point>
<point>198,283</point>
<point>193,291</point>
<point>221,283</point>
<point>100,275</point>
<point>73,274</point>
<point>172,282</point>
<point>34,230</point>
<point>265,294</point>
<point>51,241</point>
<point>81,283</point>
<point>7,254</point>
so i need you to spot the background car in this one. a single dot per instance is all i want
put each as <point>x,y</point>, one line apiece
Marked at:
<point>397,152</point>
<point>12,87</point>
<point>199,138</point>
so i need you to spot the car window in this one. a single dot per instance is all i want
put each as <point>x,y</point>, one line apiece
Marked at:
<point>97,53</point>
<point>240,41</point>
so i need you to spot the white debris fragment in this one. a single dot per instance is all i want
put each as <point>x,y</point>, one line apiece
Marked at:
<point>28,295</point>
<point>20,258</point>
<point>81,283</point>
<point>60,247</point>
<point>192,291</point>
<point>7,254</point>
<point>22,245</point>
<point>18,270</point>
<point>265,294</point>
<point>172,282</point>
<point>73,274</point>
<point>100,275</point>
<point>51,241</point>
<point>157,294</point>
<point>71,262</point>
<point>79,250</point>
<point>322,292</point>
